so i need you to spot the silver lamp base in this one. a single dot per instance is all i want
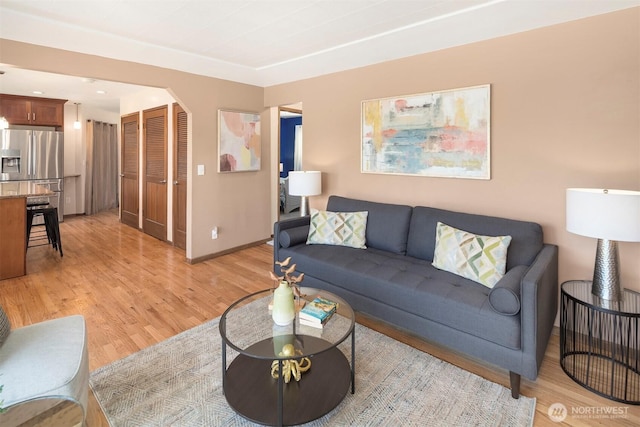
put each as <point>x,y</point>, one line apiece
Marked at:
<point>304,206</point>
<point>606,274</point>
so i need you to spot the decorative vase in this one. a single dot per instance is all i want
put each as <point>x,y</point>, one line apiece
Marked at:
<point>284,310</point>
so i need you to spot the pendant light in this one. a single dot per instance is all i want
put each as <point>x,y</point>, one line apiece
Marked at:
<point>77,124</point>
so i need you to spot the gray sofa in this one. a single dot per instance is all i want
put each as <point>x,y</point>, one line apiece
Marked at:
<point>393,280</point>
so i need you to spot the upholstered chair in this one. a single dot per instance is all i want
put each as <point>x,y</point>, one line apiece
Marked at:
<point>42,365</point>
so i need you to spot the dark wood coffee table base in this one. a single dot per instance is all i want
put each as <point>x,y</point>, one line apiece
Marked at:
<point>253,393</point>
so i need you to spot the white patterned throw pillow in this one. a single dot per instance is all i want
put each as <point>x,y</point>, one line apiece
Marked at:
<point>482,259</point>
<point>338,228</point>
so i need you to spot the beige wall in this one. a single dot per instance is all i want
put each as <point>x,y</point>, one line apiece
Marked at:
<point>565,112</point>
<point>222,200</point>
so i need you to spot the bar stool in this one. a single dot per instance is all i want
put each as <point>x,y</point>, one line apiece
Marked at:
<point>52,229</point>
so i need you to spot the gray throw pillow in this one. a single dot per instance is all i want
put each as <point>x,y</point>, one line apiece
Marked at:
<point>294,236</point>
<point>5,326</point>
<point>504,298</point>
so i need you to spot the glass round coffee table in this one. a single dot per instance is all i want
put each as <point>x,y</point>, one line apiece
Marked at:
<point>248,329</point>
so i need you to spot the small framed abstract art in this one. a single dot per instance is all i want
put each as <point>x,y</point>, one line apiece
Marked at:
<point>437,134</point>
<point>239,145</point>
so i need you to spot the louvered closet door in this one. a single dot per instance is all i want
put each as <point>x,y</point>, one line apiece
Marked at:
<point>180,180</point>
<point>154,197</point>
<point>129,177</point>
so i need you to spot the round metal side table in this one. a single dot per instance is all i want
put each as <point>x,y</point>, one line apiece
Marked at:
<point>600,341</point>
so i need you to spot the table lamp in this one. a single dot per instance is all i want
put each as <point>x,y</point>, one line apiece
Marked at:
<point>305,184</point>
<point>609,216</point>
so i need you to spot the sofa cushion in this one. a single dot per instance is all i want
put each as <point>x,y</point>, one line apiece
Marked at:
<point>338,228</point>
<point>5,326</point>
<point>505,295</point>
<point>526,237</point>
<point>482,259</point>
<point>411,285</point>
<point>387,224</point>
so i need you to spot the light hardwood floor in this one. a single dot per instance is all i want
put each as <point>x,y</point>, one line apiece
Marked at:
<point>135,291</point>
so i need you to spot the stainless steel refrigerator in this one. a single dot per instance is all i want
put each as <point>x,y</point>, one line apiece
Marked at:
<point>34,155</point>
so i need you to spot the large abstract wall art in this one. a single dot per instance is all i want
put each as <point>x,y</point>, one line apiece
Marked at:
<point>238,141</point>
<point>438,134</point>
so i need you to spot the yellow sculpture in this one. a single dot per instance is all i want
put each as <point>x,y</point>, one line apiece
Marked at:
<point>290,367</point>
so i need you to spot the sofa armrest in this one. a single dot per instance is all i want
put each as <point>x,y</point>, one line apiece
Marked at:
<point>284,225</point>
<point>539,306</point>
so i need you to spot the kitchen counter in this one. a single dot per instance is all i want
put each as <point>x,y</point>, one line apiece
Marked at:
<point>13,227</point>
<point>22,189</point>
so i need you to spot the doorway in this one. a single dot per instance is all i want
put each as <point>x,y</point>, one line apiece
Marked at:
<point>290,157</point>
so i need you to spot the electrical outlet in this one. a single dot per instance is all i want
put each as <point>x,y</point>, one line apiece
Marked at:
<point>67,200</point>
<point>214,233</point>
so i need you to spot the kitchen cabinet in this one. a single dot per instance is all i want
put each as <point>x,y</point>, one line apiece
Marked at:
<point>25,110</point>
<point>13,231</point>
<point>13,227</point>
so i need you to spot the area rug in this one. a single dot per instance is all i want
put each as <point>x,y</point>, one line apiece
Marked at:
<point>178,382</point>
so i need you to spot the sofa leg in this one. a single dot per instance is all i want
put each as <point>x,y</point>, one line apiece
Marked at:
<point>514,379</point>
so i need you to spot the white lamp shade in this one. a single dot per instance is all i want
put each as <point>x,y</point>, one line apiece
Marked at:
<point>604,214</point>
<point>305,183</point>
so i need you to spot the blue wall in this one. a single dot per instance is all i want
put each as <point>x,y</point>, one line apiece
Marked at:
<point>287,139</point>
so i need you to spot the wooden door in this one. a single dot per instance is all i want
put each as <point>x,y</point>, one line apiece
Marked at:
<point>129,184</point>
<point>154,187</point>
<point>180,177</point>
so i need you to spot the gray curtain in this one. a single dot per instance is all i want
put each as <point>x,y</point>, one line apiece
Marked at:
<point>101,186</point>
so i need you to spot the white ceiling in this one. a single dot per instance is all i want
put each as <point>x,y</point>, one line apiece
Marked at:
<point>267,42</point>
<point>98,93</point>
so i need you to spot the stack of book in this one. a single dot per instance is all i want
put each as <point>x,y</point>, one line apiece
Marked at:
<point>317,312</point>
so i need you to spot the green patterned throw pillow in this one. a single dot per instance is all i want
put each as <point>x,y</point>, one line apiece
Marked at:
<point>338,228</point>
<point>482,259</point>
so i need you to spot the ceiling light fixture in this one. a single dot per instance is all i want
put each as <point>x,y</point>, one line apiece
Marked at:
<point>101,92</point>
<point>77,124</point>
<point>38,92</point>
